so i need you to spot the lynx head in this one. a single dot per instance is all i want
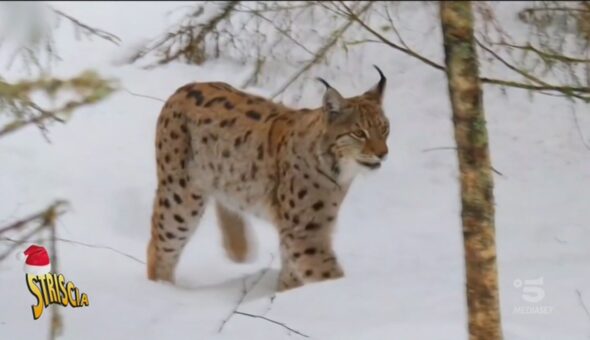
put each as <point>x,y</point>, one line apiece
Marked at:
<point>357,128</point>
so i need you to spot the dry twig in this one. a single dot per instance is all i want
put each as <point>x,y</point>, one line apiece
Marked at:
<point>45,217</point>
<point>322,51</point>
<point>273,321</point>
<point>245,291</point>
<point>581,300</point>
<point>21,241</point>
<point>88,30</point>
<point>538,86</point>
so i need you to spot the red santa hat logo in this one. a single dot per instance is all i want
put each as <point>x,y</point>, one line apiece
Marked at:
<point>36,260</point>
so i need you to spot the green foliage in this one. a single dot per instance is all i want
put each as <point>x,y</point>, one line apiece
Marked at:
<point>16,98</point>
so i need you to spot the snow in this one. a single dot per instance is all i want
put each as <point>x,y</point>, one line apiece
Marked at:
<point>399,233</point>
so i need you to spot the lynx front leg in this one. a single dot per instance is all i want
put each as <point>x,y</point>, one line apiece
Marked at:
<point>309,255</point>
<point>288,279</point>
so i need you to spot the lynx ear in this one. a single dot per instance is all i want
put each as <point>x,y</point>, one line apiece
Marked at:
<point>376,92</point>
<point>333,102</point>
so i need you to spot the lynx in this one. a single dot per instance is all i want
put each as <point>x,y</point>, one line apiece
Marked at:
<point>292,167</point>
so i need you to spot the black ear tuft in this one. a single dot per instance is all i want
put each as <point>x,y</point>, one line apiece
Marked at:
<point>376,92</point>
<point>324,82</point>
<point>382,80</point>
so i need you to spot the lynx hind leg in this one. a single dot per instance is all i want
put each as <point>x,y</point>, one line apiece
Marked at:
<point>179,204</point>
<point>235,231</point>
<point>176,216</point>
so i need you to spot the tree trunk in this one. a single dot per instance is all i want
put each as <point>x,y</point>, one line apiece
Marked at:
<point>477,196</point>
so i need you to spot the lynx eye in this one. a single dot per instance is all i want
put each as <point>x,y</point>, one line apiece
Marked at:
<point>385,130</point>
<point>359,134</point>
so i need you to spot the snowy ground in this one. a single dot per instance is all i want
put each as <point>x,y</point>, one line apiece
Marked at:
<point>399,234</point>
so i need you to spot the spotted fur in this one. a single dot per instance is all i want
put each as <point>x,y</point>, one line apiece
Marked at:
<point>253,156</point>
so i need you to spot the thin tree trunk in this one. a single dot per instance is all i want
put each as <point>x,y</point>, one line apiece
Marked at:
<point>477,196</point>
<point>56,323</point>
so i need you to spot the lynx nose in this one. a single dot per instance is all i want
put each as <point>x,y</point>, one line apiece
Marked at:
<point>378,148</point>
<point>382,154</point>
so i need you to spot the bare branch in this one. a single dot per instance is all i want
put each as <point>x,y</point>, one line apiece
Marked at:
<point>39,215</point>
<point>245,291</point>
<point>541,85</point>
<point>35,50</point>
<point>273,321</point>
<point>45,217</point>
<point>187,37</point>
<point>88,29</point>
<point>581,300</point>
<point>37,120</point>
<point>557,9</point>
<point>496,171</point>
<point>143,95</point>
<point>455,148</point>
<point>321,52</point>
<point>282,31</point>
<point>439,148</point>
<point>21,241</point>
<point>515,84</point>
<point>19,224</point>
<point>273,9</point>
<point>389,42</point>
<point>544,54</point>
<point>510,66</point>
<point>579,129</point>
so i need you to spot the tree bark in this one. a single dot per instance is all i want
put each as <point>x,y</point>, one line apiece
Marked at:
<point>477,196</point>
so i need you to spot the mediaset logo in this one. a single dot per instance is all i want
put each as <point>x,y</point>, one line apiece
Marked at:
<point>534,293</point>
